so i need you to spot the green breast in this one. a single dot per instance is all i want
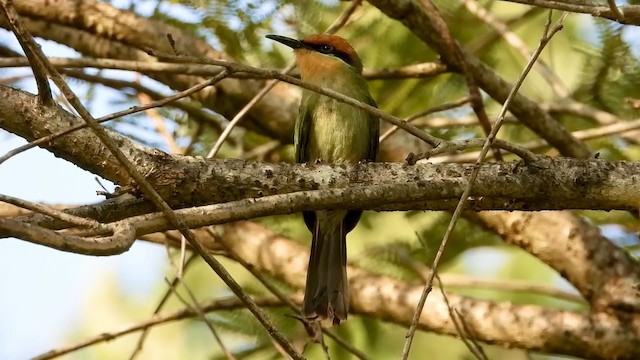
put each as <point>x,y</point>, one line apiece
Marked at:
<point>332,131</point>
<point>338,132</point>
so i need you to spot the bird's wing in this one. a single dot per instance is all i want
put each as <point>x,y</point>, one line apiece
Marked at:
<point>374,130</point>
<point>301,142</point>
<point>301,135</point>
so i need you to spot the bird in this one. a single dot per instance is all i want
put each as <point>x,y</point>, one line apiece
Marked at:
<point>328,131</point>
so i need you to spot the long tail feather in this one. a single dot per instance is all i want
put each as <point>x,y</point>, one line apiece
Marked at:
<point>326,293</point>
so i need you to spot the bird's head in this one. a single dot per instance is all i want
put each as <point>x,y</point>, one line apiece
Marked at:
<point>321,56</point>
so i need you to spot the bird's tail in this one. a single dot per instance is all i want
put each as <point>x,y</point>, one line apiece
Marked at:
<point>326,294</point>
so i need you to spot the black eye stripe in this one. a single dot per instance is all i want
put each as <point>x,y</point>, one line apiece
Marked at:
<point>330,50</point>
<point>344,57</point>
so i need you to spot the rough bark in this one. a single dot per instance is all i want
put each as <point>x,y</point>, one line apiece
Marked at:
<point>550,183</point>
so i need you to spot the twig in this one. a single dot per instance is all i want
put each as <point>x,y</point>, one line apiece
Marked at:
<point>416,71</point>
<point>619,128</point>
<point>459,60</point>
<point>584,7</point>
<point>191,107</point>
<point>133,110</point>
<point>458,321</point>
<point>151,194</point>
<point>159,123</point>
<point>475,8</point>
<point>435,109</point>
<point>487,41</point>
<point>195,137</point>
<point>56,214</point>
<point>28,45</point>
<point>228,303</point>
<point>521,151</point>
<point>461,326</point>
<point>240,115</point>
<point>259,152</point>
<point>454,280</point>
<point>245,353</point>
<point>547,35</point>
<point>200,312</point>
<point>235,67</point>
<point>160,305</point>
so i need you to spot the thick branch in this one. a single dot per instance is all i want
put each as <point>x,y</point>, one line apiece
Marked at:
<point>603,274</point>
<point>548,184</point>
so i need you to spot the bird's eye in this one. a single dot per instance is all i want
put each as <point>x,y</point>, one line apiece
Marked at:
<point>326,49</point>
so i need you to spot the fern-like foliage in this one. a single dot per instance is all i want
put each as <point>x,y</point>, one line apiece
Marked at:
<point>611,72</point>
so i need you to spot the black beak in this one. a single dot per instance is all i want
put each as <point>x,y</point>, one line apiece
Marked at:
<point>292,43</point>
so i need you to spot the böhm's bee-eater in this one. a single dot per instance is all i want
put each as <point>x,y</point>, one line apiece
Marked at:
<point>330,131</point>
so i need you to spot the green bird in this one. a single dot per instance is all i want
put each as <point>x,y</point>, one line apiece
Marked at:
<point>330,131</point>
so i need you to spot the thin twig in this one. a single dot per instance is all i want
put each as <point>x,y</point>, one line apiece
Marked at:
<point>586,7</point>
<point>228,303</point>
<point>435,109</point>
<point>236,67</point>
<point>132,110</point>
<point>524,153</point>
<point>415,71</point>
<point>56,214</point>
<point>28,45</point>
<point>619,128</point>
<point>487,41</point>
<point>158,121</point>
<point>423,271</point>
<point>198,309</point>
<point>555,83</point>
<point>240,115</point>
<point>461,326</point>
<point>457,58</point>
<point>163,301</point>
<point>455,280</point>
<point>547,35</point>
<point>191,107</point>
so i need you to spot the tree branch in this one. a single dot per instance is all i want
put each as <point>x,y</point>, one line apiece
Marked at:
<point>630,13</point>
<point>188,181</point>
<point>600,335</point>
<point>604,275</point>
<point>410,13</point>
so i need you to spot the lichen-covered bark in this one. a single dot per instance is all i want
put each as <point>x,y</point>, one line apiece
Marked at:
<point>551,183</point>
